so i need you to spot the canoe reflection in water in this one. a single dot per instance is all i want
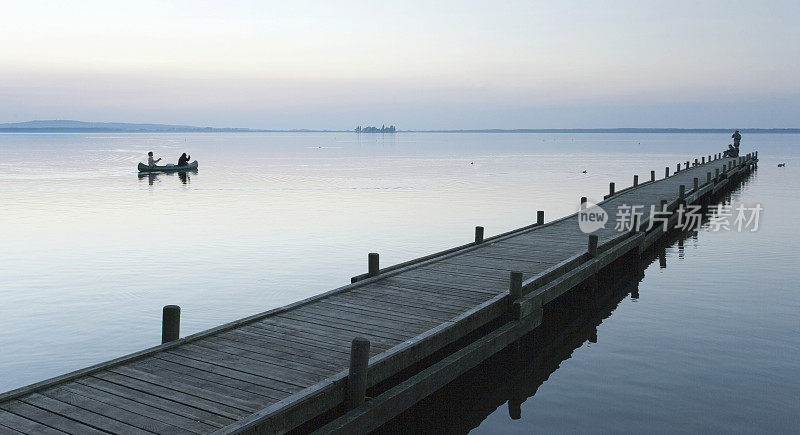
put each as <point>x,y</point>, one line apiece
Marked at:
<point>152,177</point>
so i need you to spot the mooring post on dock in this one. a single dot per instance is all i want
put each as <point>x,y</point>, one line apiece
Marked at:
<point>170,323</point>
<point>373,264</point>
<point>540,217</point>
<point>678,168</point>
<point>357,376</point>
<point>478,235</point>
<point>687,164</point>
<point>696,184</point>
<point>652,175</point>
<point>515,285</point>
<point>611,189</point>
<point>666,172</point>
<point>592,249</point>
<point>703,160</point>
<point>635,180</point>
<point>681,193</point>
<point>695,162</point>
<point>664,205</point>
<point>708,177</point>
<point>635,224</point>
<point>583,202</point>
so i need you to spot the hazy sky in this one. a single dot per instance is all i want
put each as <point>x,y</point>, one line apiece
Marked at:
<point>416,64</point>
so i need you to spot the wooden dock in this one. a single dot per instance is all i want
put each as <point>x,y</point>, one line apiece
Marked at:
<point>420,324</point>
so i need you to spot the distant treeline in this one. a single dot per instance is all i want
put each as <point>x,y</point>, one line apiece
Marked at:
<point>370,129</point>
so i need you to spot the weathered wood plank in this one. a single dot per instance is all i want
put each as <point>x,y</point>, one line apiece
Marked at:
<point>99,421</point>
<point>205,404</point>
<point>265,354</point>
<point>247,365</point>
<point>121,414</point>
<point>147,411</point>
<point>156,401</point>
<point>208,390</point>
<point>24,425</point>
<point>48,418</point>
<point>198,378</point>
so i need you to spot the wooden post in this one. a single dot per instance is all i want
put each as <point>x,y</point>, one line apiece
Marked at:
<point>373,264</point>
<point>696,184</point>
<point>716,175</point>
<point>170,323</point>
<point>681,192</point>
<point>515,285</point>
<point>703,160</point>
<point>635,180</point>
<point>592,249</point>
<point>687,164</point>
<point>357,376</point>
<point>635,224</point>
<point>583,202</point>
<point>663,205</point>
<point>611,189</point>
<point>666,172</point>
<point>678,168</point>
<point>709,159</point>
<point>708,177</point>
<point>652,175</point>
<point>478,235</point>
<point>695,162</point>
<point>540,217</point>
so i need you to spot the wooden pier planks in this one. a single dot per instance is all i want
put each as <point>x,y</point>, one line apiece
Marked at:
<point>272,364</point>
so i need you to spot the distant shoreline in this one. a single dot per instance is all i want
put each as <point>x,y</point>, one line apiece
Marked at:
<point>525,130</point>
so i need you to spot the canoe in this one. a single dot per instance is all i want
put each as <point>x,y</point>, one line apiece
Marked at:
<point>146,168</point>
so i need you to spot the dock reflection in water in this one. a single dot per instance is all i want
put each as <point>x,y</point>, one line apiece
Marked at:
<point>515,374</point>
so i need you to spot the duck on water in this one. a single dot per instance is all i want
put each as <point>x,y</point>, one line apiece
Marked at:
<point>183,164</point>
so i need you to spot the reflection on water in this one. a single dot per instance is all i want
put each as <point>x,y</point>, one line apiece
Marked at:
<point>185,177</point>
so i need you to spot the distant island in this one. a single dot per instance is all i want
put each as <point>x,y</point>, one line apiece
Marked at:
<point>68,126</point>
<point>370,129</point>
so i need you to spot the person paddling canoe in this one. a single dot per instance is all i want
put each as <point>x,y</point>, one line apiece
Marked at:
<point>184,160</point>
<point>151,161</point>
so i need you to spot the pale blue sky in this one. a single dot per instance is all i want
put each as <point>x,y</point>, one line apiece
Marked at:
<point>417,64</point>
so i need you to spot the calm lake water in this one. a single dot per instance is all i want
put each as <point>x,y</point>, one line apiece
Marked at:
<point>90,252</point>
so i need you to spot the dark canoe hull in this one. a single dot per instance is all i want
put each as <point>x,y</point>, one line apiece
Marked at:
<point>189,167</point>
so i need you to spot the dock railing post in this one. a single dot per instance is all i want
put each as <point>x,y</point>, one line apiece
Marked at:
<point>708,177</point>
<point>635,180</point>
<point>696,184</point>
<point>635,224</point>
<point>540,217</point>
<point>515,285</point>
<point>592,248</point>
<point>652,175</point>
<point>170,323</point>
<point>678,168</point>
<point>687,164</point>
<point>373,264</point>
<point>611,189</point>
<point>478,235</point>
<point>357,376</point>
<point>583,202</point>
<point>666,172</point>
<point>695,162</point>
<point>703,160</point>
<point>681,193</point>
